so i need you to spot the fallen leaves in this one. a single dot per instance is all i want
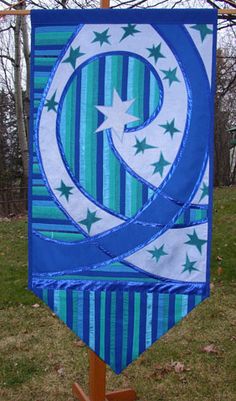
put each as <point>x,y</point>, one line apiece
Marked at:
<point>173,366</point>
<point>35,306</point>
<point>210,349</point>
<point>79,343</point>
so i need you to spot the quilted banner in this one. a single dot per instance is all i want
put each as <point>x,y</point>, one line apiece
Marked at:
<point>121,171</point>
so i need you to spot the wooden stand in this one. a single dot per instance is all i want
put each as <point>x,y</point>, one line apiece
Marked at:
<point>97,384</point>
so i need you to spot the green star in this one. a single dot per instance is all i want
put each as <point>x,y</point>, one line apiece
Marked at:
<point>189,266</point>
<point>90,220</point>
<point>204,190</point>
<point>101,37</point>
<point>142,146</point>
<point>157,253</point>
<point>155,52</point>
<point>170,127</point>
<point>196,241</point>
<point>129,30</point>
<point>203,29</point>
<point>171,75</point>
<point>65,190</point>
<point>51,104</point>
<point>160,165</point>
<point>74,54</point>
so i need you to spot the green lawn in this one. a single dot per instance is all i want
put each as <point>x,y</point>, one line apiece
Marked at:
<point>40,357</point>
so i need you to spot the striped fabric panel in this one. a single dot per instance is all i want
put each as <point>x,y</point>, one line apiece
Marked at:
<point>115,188</point>
<point>128,322</point>
<point>47,218</point>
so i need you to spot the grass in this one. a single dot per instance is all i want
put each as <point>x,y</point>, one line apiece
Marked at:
<point>40,358</point>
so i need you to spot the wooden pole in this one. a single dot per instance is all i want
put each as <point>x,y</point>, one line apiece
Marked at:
<point>97,378</point>
<point>105,4</point>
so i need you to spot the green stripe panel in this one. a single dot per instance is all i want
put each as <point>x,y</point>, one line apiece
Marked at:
<point>40,82</point>
<point>70,117</point>
<point>90,138</point>
<point>61,236</point>
<point>40,191</point>
<point>178,308</point>
<point>52,38</point>
<point>136,89</point>
<point>45,61</point>
<point>135,351</point>
<point>125,327</point>
<point>113,81</point>
<point>81,319</point>
<point>133,198</point>
<point>102,324</point>
<point>47,212</point>
<point>113,329</point>
<point>198,299</point>
<point>75,311</point>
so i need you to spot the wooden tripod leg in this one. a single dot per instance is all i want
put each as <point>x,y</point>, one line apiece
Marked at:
<point>97,384</point>
<point>97,378</point>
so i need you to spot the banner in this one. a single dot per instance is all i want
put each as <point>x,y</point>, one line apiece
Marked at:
<point>120,199</point>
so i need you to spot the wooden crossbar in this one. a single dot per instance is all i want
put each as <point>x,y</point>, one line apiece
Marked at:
<point>221,11</point>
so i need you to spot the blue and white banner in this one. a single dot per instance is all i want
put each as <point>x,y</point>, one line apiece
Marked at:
<point>121,171</point>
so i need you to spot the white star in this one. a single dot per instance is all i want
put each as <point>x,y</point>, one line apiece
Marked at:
<point>116,115</point>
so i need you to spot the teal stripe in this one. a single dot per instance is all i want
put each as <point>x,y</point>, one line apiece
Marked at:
<point>45,61</point>
<point>47,212</point>
<point>113,81</point>
<point>80,314</point>
<point>92,320</point>
<point>40,191</point>
<point>62,305</point>
<point>106,147</point>
<point>154,94</point>
<point>135,89</point>
<point>198,299</point>
<point>45,296</point>
<point>178,308</point>
<point>83,125</point>
<point>135,351</point>
<point>69,138</point>
<point>113,329</point>
<point>149,320</point>
<point>163,309</point>
<point>36,169</point>
<point>75,311</point>
<point>56,296</point>
<point>52,38</point>
<point>40,82</point>
<point>102,324</point>
<point>62,236</point>
<point>125,328</point>
<point>91,139</point>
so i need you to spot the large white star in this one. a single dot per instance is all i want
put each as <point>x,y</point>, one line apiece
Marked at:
<point>116,115</point>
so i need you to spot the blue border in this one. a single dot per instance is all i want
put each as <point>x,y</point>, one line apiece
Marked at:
<point>109,16</point>
<point>211,161</point>
<point>31,136</point>
<point>120,21</point>
<point>96,246</point>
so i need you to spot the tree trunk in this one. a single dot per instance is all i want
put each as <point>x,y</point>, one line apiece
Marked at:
<point>18,100</point>
<point>26,51</point>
